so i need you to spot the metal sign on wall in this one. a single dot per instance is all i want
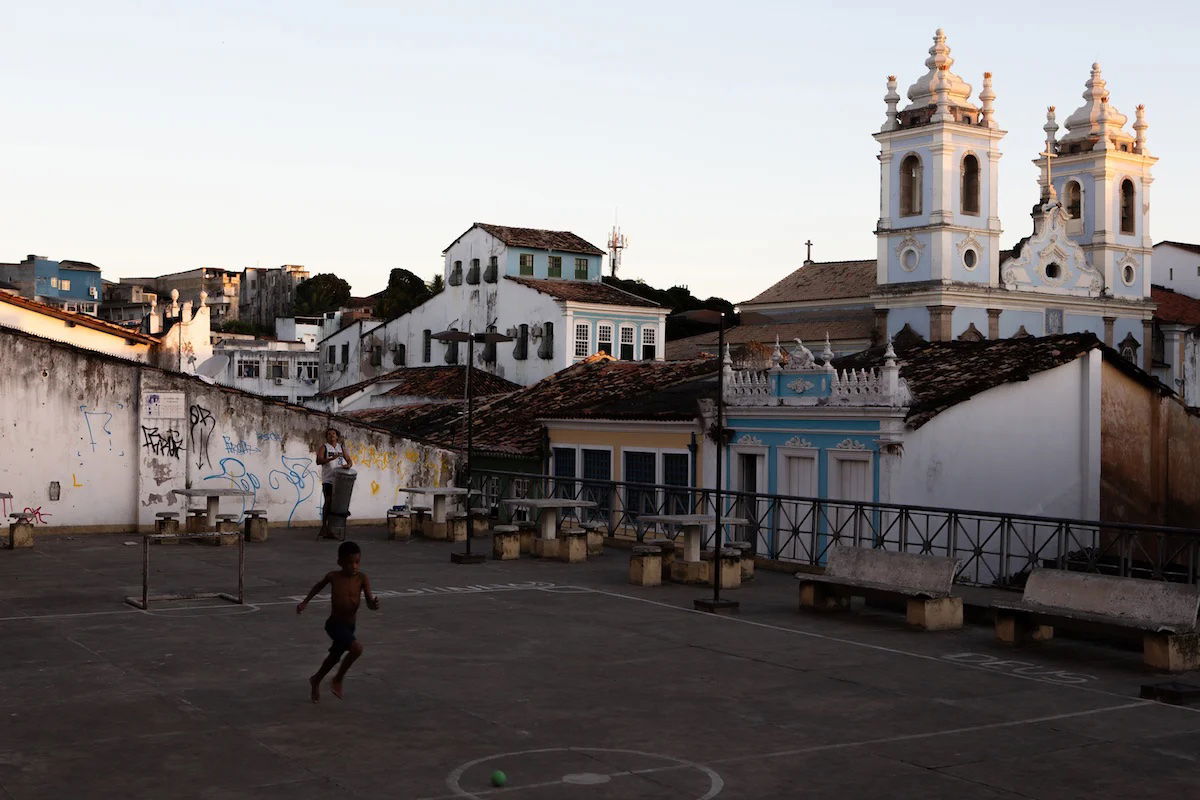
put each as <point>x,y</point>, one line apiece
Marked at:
<point>164,405</point>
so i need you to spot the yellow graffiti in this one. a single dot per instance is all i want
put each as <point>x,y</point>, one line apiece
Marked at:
<point>411,455</point>
<point>75,481</point>
<point>374,487</point>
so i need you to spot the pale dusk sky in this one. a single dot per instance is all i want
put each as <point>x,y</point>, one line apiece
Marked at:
<point>356,137</point>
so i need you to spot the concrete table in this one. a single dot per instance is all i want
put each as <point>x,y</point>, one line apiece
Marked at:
<point>547,509</point>
<point>693,526</point>
<point>213,498</point>
<point>440,496</point>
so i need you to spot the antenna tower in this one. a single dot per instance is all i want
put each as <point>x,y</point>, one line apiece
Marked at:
<point>617,242</point>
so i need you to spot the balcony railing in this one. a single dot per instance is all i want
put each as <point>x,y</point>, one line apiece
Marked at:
<point>994,549</point>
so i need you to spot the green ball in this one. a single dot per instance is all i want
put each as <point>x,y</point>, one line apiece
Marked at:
<point>499,778</point>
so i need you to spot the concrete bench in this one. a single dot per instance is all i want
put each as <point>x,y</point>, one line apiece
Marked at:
<point>747,558</point>
<point>20,531</point>
<point>254,526</point>
<point>667,549</point>
<point>197,520</point>
<point>595,536</point>
<point>528,532</point>
<point>923,581</point>
<point>399,525</point>
<point>506,542</point>
<point>729,567</point>
<point>1164,613</point>
<point>572,546</point>
<point>645,565</point>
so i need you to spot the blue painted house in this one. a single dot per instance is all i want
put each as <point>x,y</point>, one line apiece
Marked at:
<point>69,285</point>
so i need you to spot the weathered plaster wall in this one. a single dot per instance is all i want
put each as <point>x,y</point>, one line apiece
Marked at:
<point>85,422</point>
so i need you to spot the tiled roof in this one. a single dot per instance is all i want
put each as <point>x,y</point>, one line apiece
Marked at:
<point>78,265</point>
<point>508,424</point>
<point>83,320</point>
<point>447,381</point>
<point>941,375</point>
<point>853,325</point>
<point>536,238</point>
<point>1175,307</point>
<point>585,292</point>
<point>1194,248</point>
<point>828,280</point>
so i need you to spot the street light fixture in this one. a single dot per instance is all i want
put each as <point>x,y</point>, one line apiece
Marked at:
<point>710,316</point>
<point>456,337</point>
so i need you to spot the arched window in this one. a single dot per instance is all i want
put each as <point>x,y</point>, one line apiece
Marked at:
<point>910,186</point>
<point>1127,207</point>
<point>970,185</point>
<point>1074,200</point>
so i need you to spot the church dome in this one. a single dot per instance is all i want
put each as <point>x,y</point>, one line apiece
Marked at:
<point>1096,117</point>
<point>924,91</point>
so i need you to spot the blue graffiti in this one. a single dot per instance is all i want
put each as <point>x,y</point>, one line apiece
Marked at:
<point>103,423</point>
<point>269,437</point>
<point>241,447</point>
<point>303,478</point>
<point>236,473</point>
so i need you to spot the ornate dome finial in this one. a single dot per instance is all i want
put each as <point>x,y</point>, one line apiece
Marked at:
<point>921,93</point>
<point>892,99</point>
<point>986,97</point>
<point>1139,129</point>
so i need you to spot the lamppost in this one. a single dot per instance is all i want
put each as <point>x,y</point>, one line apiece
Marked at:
<point>456,337</point>
<point>712,317</point>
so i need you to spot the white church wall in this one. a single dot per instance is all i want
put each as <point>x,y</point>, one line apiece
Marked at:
<point>1177,268</point>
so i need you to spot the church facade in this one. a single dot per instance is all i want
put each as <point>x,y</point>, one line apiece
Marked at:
<point>940,272</point>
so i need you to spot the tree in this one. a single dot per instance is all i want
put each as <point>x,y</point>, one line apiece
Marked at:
<point>321,293</point>
<point>437,284</point>
<point>677,298</point>
<point>404,292</point>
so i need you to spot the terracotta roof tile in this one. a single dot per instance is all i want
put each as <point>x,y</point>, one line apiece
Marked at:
<point>585,292</point>
<point>852,325</point>
<point>827,280</point>
<point>1194,248</point>
<point>84,320</point>
<point>508,424</point>
<point>448,382</point>
<point>1175,307</point>
<point>537,239</point>
<point>941,375</point>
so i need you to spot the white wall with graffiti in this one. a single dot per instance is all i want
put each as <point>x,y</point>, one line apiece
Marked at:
<point>90,442</point>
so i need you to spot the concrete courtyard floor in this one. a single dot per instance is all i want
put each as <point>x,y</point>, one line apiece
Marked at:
<point>575,684</point>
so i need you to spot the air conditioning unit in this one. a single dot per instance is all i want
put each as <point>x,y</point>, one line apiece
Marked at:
<point>279,381</point>
<point>535,331</point>
<point>511,332</point>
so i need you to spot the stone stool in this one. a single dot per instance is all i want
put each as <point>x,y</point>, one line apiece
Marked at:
<point>480,524</point>
<point>20,530</point>
<point>421,516</point>
<point>228,528</point>
<point>730,567</point>
<point>546,548</point>
<point>572,546</point>
<point>399,525</point>
<point>595,537</point>
<point>254,527</point>
<point>528,532</point>
<point>747,556</point>
<point>197,520</point>
<point>167,522</point>
<point>645,566</point>
<point>506,542</point>
<point>667,547</point>
<point>456,526</point>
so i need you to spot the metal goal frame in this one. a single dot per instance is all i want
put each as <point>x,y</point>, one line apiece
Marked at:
<point>143,602</point>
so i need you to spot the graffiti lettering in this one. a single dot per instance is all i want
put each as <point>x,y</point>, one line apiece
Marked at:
<point>202,424</point>
<point>38,515</point>
<point>300,474</point>
<point>236,473</point>
<point>240,447</point>
<point>168,442</point>
<point>101,425</point>
<point>268,437</point>
<point>1023,668</point>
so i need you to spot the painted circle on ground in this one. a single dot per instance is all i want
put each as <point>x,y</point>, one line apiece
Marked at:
<point>454,780</point>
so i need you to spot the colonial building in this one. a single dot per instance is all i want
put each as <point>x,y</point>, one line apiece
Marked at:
<point>221,288</point>
<point>940,273</point>
<point>269,293</point>
<point>543,288</point>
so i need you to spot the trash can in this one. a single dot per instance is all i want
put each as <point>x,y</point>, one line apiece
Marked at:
<point>343,488</point>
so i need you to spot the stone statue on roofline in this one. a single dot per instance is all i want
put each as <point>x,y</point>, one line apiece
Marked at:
<point>802,357</point>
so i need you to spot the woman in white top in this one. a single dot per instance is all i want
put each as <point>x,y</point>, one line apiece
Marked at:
<point>330,456</point>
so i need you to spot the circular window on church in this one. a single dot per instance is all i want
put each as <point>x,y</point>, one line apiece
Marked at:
<point>909,259</point>
<point>1053,271</point>
<point>970,259</point>
<point>1128,273</point>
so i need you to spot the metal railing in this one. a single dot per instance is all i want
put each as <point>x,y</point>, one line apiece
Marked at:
<point>994,549</point>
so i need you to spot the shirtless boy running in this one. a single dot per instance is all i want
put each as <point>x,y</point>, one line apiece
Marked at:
<point>347,585</point>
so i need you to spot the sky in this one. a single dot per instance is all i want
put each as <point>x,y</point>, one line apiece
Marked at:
<point>152,137</point>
